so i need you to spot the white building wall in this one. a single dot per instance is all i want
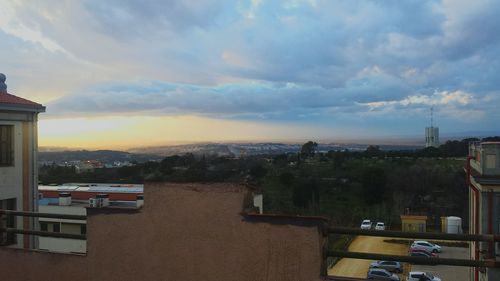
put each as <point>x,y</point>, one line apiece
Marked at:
<point>11,178</point>
<point>63,244</point>
<point>432,137</point>
<point>64,210</point>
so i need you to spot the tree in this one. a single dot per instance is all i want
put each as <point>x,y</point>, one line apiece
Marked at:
<point>306,193</point>
<point>258,171</point>
<point>287,178</point>
<point>373,151</point>
<point>308,149</point>
<point>374,183</point>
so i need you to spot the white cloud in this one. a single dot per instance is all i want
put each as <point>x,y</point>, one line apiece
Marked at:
<point>342,57</point>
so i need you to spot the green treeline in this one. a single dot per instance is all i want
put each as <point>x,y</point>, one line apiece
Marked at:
<point>346,186</point>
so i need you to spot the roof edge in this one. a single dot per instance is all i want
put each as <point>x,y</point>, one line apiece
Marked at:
<point>20,107</point>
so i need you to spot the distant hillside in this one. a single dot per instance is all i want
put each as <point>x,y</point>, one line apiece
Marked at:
<point>105,156</point>
<point>239,149</point>
<point>144,154</point>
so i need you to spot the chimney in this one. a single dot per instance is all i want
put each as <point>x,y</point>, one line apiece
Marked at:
<point>3,86</point>
<point>139,200</point>
<point>64,199</point>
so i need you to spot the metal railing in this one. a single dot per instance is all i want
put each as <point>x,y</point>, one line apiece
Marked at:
<point>414,235</point>
<point>41,233</point>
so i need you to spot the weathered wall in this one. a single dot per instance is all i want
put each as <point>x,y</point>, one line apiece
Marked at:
<point>184,232</point>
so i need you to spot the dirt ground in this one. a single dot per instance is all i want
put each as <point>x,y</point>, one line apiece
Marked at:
<point>366,244</point>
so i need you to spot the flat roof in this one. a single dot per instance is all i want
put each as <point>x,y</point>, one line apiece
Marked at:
<point>100,188</point>
<point>85,203</point>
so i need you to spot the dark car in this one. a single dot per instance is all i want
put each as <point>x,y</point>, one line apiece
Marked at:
<point>392,266</point>
<point>420,254</point>
<point>423,250</point>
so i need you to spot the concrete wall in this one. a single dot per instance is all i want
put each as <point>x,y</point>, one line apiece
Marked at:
<point>491,159</point>
<point>184,232</point>
<point>62,245</point>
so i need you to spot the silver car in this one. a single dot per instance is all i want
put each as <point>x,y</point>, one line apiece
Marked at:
<point>427,245</point>
<point>366,224</point>
<point>381,274</point>
<point>392,266</point>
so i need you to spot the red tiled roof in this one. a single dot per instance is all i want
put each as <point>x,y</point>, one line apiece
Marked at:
<point>7,98</point>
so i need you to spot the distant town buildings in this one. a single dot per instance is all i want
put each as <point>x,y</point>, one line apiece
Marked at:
<point>483,180</point>
<point>18,164</point>
<point>83,166</point>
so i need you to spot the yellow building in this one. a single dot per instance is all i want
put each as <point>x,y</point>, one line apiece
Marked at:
<point>411,223</point>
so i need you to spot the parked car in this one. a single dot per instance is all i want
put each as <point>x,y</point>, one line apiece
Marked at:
<point>380,226</point>
<point>423,250</point>
<point>418,276</point>
<point>366,224</point>
<point>381,274</point>
<point>428,245</point>
<point>391,266</point>
<point>421,254</point>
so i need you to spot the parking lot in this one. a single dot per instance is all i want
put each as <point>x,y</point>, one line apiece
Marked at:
<point>366,244</point>
<point>445,272</point>
<point>369,244</point>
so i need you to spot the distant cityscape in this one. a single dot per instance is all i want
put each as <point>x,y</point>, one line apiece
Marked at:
<point>86,160</point>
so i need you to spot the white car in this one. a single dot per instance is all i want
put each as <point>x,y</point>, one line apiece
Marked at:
<point>380,226</point>
<point>366,224</point>
<point>433,248</point>
<point>417,275</point>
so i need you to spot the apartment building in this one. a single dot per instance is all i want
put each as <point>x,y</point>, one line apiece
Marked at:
<point>483,180</point>
<point>18,168</point>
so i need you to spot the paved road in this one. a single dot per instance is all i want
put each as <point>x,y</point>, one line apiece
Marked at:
<point>366,244</point>
<point>445,272</point>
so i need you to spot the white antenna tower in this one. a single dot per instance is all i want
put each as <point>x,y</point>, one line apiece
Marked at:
<point>432,117</point>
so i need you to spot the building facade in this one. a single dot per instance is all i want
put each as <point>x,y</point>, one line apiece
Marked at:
<point>432,137</point>
<point>483,180</point>
<point>18,163</point>
<point>75,199</point>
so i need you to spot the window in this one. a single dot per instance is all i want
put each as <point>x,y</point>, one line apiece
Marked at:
<point>8,221</point>
<point>491,161</point>
<point>43,226</point>
<point>57,227</point>
<point>83,230</point>
<point>6,145</point>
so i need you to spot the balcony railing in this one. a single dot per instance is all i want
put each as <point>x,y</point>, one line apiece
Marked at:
<point>10,230</point>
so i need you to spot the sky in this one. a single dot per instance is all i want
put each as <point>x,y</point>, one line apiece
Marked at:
<point>123,73</point>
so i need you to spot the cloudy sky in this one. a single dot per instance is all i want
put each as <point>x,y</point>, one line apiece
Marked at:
<point>123,73</point>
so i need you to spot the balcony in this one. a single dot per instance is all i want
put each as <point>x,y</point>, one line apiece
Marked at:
<point>487,158</point>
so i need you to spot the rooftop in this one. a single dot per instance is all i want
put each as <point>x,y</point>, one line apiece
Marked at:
<point>85,203</point>
<point>12,102</point>
<point>100,188</point>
